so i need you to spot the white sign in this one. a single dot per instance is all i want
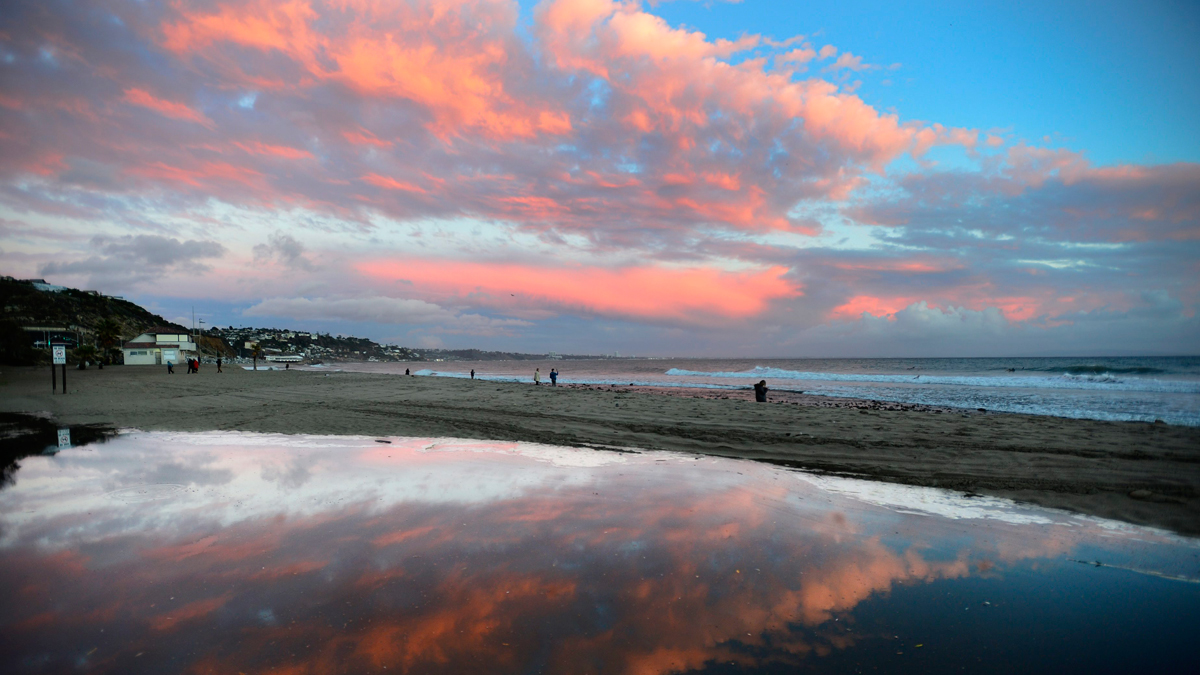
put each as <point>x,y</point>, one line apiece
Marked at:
<point>60,354</point>
<point>64,438</point>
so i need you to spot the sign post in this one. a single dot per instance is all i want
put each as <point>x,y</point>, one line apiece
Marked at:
<point>60,358</point>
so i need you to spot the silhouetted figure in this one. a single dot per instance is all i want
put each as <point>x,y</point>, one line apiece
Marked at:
<point>287,366</point>
<point>406,372</point>
<point>472,373</point>
<point>760,392</point>
<point>219,365</point>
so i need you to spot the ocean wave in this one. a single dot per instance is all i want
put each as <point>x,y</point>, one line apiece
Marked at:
<point>1101,369</point>
<point>1064,381</point>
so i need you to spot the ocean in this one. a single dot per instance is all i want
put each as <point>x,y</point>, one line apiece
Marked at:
<point>1103,388</point>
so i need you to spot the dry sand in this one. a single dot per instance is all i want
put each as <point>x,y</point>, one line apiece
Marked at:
<point>1131,471</point>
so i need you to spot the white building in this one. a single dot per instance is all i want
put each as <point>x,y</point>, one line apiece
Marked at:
<point>158,346</point>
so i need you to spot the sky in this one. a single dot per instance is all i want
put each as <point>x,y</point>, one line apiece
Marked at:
<point>671,178</point>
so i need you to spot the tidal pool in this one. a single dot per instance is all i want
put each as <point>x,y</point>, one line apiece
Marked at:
<point>251,553</point>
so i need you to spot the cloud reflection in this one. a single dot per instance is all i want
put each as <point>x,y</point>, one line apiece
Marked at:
<point>473,557</point>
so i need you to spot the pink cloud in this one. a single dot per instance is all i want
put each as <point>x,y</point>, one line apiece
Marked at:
<point>645,292</point>
<point>283,151</point>
<point>848,61</point>
<point>179,111</point>
<point>422,52</point>
<point>389,183</point>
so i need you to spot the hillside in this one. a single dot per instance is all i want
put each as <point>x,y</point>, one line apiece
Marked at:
<point>77,312</point>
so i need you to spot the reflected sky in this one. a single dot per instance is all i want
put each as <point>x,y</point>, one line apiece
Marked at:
<point>225,552</point>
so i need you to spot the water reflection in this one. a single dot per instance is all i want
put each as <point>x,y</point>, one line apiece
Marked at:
<point>227,553</point>
<point>23,436</point>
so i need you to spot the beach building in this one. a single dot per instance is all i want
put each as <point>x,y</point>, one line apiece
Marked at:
<point>158,346</point>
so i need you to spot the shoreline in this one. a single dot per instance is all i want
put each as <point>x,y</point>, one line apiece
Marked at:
<point>1136,472</point>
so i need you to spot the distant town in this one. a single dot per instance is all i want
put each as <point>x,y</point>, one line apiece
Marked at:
<point>37,314</point>
<point>313,347</point>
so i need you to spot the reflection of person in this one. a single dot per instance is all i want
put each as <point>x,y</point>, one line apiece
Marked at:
<point>760,392</point>
<point>537,375</point>
<point>554,376</point>
<point>472,373</point>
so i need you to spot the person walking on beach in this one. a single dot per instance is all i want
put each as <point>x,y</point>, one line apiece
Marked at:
<point>472,373</point>
<point>219,365</point>
<point>554,377</point>
<point>760,392</point>
<point>170,368</point>
<point>537,376</point>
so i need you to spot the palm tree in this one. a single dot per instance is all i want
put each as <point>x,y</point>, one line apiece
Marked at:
<point>256,351</point>
<point>108,335</point>
<point>85,353</point>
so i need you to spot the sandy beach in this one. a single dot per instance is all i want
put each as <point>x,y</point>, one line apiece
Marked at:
<point>1130,471</point>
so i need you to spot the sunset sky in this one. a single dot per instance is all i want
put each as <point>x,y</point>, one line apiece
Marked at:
<point>755,178</point>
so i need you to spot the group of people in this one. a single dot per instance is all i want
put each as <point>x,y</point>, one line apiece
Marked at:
<point>537,376</point>
<point>193,366</point>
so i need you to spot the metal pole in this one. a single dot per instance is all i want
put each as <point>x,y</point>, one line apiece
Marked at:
<point>53,379</point>
<point>64,378</point>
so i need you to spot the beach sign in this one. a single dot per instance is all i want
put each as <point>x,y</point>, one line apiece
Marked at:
<point>60,355</point>
<point>64,438</point>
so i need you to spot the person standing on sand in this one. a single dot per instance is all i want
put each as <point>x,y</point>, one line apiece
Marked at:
<point>537,376</point>
<point>554,377</point>
<point>170,368</point>
<point>406,372</point>
<point>472,373</point>
<point>219,365</point>
<point>760,392</point>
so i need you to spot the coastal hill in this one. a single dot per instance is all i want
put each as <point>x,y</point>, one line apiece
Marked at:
<point>34,310</point>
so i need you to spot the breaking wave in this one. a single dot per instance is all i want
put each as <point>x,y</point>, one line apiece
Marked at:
<point>1101,380</point>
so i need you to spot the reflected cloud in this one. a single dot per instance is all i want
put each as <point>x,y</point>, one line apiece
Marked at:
<point>442,555</point>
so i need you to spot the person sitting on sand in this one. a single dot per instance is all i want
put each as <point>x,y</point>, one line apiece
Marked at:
<point>537,376</point>
<point>760,392</point>
<point>406,372</point>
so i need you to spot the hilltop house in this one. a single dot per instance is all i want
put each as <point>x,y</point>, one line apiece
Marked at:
<point>158,346</point>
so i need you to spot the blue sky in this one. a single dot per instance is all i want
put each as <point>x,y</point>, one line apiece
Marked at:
<point>1119,79</point>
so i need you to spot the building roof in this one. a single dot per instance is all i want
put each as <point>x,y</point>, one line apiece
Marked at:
<point>138,345</point>
<point>165,330</point>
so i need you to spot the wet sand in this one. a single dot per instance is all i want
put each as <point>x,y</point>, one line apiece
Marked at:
<point>1131,471</point>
